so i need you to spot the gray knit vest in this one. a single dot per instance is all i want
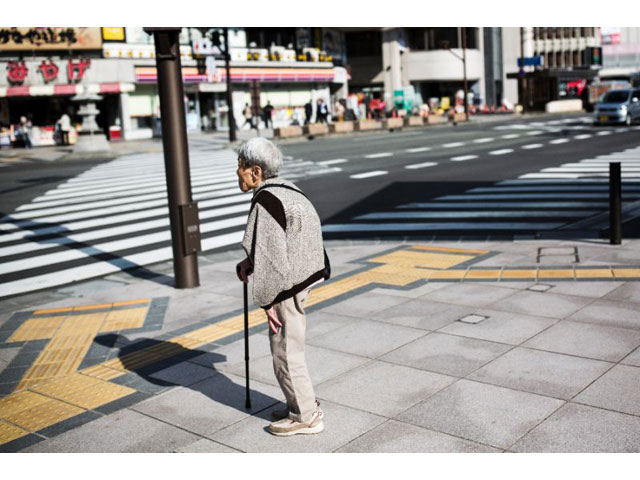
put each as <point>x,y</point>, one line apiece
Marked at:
<point>283,241</point>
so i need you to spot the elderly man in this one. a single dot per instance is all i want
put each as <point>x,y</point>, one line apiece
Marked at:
<point>285,254</point>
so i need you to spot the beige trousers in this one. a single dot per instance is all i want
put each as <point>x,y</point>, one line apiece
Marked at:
<point>289,365</point>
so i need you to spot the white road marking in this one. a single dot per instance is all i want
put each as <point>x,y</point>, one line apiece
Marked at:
<point>463,158</point>
<point>379,155</point>
<point>421,165</point>
<point>423,227</point>
<point>534,132</point>
<point>416,150</point>
<point>333,162</point>
<point>582,137</point>
<point>374,173</point>
<point>532,146</point>
<point>452,145</point>
<point>483,140</point>
<point>511,135</point>
<point>558,141</point>
<point>501,152</point>
<point>604,132</point>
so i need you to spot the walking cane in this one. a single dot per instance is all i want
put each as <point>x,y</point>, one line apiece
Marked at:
<point>246,342</point>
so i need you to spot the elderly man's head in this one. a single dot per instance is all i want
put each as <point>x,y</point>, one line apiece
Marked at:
<point>258,160</point>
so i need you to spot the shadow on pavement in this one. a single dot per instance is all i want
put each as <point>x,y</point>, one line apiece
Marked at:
<point>226,392</point>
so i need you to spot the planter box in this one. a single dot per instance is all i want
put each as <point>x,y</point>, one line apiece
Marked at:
<point>435,119</point>
<point>286,132</point>
<point>316,129</point>
<point>368,125</point>
<point>393,123</point>
<point>413,121</point>
<point>341,127</point>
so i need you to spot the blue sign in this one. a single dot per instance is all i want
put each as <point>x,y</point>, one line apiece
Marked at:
<point>531,61</point>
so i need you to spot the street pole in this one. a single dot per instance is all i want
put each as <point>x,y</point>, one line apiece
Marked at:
<point>521,71</point>
<point>185,230</point>
<point>464,71</point>
<point>227,60</point>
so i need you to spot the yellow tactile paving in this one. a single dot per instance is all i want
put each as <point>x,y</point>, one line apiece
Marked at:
<point>43,415</point>
<point>9,433</point>
<point>556,273</point>
<point>36,329</point>
<point>132,302</point>
<point>92,307</point>
<point>594,273</point>
<point>16,402</point>
<point>626,272</point>
<point>482,274</point>
<point>524,273</point>
<point>102,372</point>
<point>83,391</point>
<point>409,258</point>
<point>451,250</point>
<point>124,319</point>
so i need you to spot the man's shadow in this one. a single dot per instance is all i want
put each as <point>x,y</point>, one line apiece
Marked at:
<point>225,392</point>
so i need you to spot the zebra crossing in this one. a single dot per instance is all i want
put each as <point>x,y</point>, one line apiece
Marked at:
<point>551,199</point>
<point>115,216</point>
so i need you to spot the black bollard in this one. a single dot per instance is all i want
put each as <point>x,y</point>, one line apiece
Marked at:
<point>615,204</point>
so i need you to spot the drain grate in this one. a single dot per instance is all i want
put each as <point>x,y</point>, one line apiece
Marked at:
<point>558,255</point>
<point>473,319</point>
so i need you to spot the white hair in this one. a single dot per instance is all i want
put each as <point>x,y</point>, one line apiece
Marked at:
<point>263,153</point>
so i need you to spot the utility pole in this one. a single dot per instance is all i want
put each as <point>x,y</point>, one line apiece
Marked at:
<point>183,212</point>
<point>464,72</point>
<point>227,60</point>
<point>521,73</point>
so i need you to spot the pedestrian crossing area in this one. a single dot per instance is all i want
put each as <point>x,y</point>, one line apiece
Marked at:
<point>115,217</point>
<point>547,200</point>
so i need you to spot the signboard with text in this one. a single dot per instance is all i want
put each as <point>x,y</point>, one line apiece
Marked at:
<point>50,38</point>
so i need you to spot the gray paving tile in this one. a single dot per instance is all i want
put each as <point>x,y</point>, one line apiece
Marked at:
<point>365,304</point>
<point>544,373</point>
<point>184,373</point>
<point>398,437</point>
<point>448,354</point>
<point>382,388</point>
<point>123,431</point>
<point>8,354</point>
<point>412,293</point>
<point>486,414</point>
<point>471,294</point>
<point>633,358</point>
<point>618,389</point>
<point>423,313</point>
<point>322,322</point>
<point>367,338</point>
<point>505,259</point>
<point>614,313</point>
<point>321,362</point>
<point>582,429</point>
<point>586,340</point>
<point>523,285</point>
<point>342,424</point>
<point>627,292</point>
<point>210,405</point>
<point>503,327</point>
<point>206,446</point>
<point>582,289</point>
<point>545,304</point>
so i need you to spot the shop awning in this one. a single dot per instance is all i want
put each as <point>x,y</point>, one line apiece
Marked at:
<point>248,74</point>
<point>52,90</point>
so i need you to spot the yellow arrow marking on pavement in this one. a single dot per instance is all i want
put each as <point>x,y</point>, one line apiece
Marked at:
<point>53,391</point>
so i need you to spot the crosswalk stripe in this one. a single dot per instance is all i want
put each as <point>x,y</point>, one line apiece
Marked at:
<point>379,155</point>
<point>416,150</point>
<point>374,173</point>
<point>462,158</point>
<point>333,162</point>
<point>501,152</point>
<point>558,141</point>
<point>426,227</point>
<point>421,165</point>
<point>484,140</point>
<point>532,146</point>
<point>453,145</point>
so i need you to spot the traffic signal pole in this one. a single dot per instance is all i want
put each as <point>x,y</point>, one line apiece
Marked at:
<point>183,212</point>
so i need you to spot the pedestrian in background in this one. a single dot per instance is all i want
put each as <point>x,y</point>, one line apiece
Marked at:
<point>248,116</point>
<point>339,110</point>
<point>25,130</point>
<point>308,111</point>
<point>64,124</point>
<point>322,112</point>
<point>285,255</point>
<point>268,110</point>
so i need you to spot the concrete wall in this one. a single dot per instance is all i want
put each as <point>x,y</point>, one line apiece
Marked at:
<point>442,65</point>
